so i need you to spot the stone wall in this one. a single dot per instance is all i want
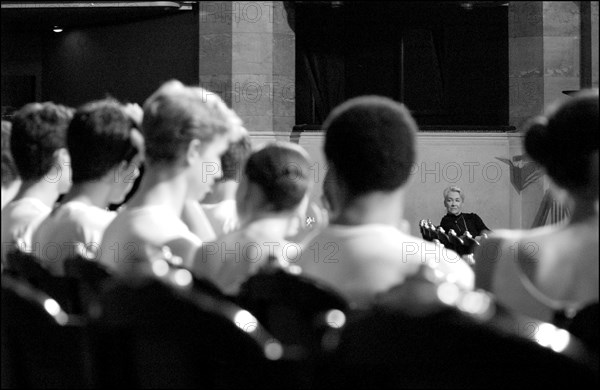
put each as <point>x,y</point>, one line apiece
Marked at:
<point>247,56</point>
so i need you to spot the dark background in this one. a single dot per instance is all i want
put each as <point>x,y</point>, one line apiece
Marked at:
<point>448,64</point>
<point>127,59</point>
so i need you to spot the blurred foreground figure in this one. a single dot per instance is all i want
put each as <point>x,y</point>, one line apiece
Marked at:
<point>186,130</point>
<point>551,272</point>
<point>370,147</point>
<point>38,147</point>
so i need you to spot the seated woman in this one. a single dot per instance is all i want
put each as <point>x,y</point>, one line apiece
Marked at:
<point>553,270</point>
<point>186,129</point>
<point>106,149</point>
<point>455,219</point>
<point>272,191</point>
<point>38,148</point>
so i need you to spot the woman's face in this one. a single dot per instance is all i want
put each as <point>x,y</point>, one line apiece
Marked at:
<point>206,166</point>
<point>453,203</point>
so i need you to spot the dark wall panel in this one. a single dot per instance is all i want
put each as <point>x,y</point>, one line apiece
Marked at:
<point>127,61</point>
<point>21,69</point>
<point>448,64</point>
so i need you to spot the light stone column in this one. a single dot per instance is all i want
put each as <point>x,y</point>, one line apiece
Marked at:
<point>544,61</point>
<point>247,56</point>
<point>544,47</point>
<point>595,45</point>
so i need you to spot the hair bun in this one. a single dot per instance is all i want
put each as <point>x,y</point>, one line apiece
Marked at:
<point>281,169</point>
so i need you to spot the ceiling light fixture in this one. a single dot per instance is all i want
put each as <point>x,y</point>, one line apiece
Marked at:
<point>57,29</point>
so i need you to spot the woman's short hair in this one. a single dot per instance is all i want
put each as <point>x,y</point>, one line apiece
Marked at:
<point>281,169</point>
<point>564,139</point>
<point>38,130</point>
<point>454,189</point>
<point>176,114</point>
<point>99,138</point>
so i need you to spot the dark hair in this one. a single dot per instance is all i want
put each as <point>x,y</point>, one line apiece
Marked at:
<point>176,114</point>
<point>233,160</point>
<point>9,169</point>
<point>98,138</point>
<point>370,140</point>
<point>39,130</point>
<point>281,170</point>
<point>565,137</point>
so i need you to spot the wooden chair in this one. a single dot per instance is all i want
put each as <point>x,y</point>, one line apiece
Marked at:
<point>89,276</point>
<point>298,311</point>
<point>62,288</point>
<point>293,307</point>
<point>584,325</point>
<point>42,345</point>
<point>425,334</point>
<point>160,331</point>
